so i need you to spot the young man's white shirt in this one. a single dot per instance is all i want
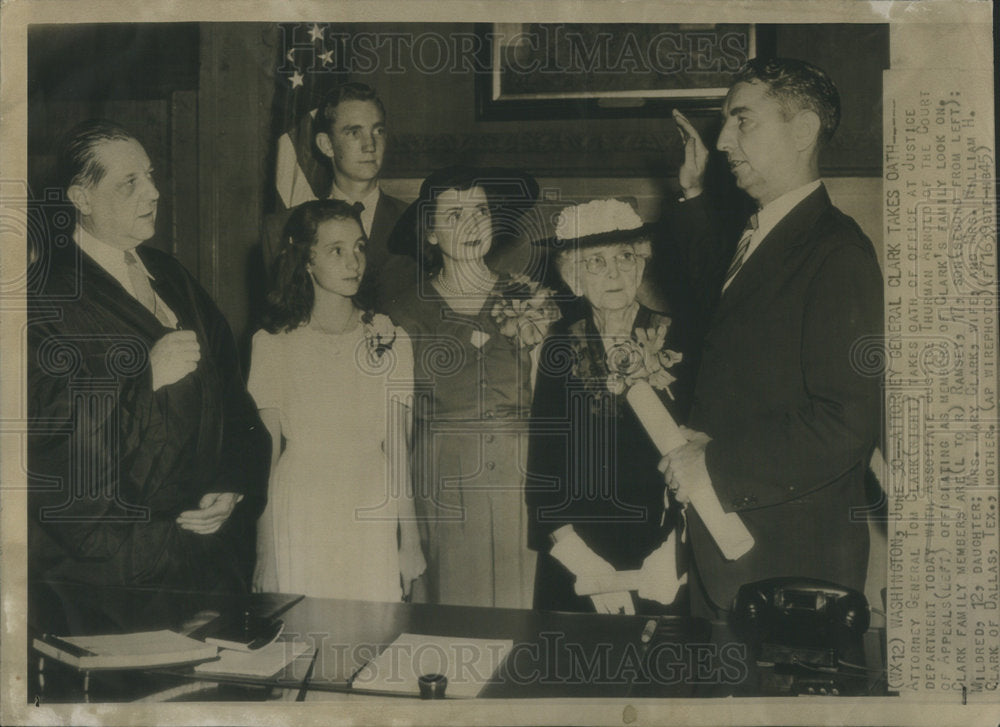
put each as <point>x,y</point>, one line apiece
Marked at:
<point>370,201</point>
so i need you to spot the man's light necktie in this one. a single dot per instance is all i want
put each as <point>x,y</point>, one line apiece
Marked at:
<point>741,251</point>
<point>143,290</point>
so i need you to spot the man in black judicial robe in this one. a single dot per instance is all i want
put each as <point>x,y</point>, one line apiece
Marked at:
<point>147,460</point>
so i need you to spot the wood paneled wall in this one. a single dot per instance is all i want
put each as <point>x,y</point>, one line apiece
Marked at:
<point>199,96</point>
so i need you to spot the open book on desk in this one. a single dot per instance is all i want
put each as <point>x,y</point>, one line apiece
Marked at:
<point>143,649</point>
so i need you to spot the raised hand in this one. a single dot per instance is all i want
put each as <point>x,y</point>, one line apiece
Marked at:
<point>691,175</point>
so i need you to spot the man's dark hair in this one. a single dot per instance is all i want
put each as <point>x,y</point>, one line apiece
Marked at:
<point>326,114</point>
<point>76,161</point>
<point>797,85</point>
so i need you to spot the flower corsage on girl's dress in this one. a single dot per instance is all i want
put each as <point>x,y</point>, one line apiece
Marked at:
<point>378,336</point>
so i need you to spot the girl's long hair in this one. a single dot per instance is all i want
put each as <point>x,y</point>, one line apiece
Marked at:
<point>291,296</point>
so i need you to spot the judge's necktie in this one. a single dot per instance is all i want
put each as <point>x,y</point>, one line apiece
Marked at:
<point>144,291</point>
<point>741,251</point>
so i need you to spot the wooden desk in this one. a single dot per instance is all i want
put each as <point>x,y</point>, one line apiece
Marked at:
<point>554,655</point>
<point>74,609</point>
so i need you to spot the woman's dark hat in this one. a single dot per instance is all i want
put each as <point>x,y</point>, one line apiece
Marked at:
<point>595,223</point>
<point>511,193</point>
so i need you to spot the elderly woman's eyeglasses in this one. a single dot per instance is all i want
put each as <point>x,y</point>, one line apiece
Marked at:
<point>624,261</point>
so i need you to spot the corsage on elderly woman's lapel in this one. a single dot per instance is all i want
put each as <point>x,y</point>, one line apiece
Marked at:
<point>644,357</point>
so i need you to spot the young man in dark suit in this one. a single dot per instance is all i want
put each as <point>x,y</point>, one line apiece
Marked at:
<point>351,132</point>
<point>147,460</point>
<point>784,421</point>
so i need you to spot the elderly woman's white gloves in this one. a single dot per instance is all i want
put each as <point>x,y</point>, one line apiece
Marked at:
<point>581,561</point>
<point>658,579</point>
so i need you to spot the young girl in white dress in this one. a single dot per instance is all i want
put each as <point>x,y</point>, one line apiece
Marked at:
<point>333,381</point>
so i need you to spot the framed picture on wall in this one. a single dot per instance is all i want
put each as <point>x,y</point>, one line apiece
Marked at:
<point>589,70</point>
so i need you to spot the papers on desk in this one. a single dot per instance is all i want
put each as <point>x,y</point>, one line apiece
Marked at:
<point>263,663</point>
<point>250,634</point>
<point>124,651</point>
<point>468,663</point>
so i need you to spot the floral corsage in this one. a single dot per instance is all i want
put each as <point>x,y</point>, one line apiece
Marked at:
<point>525,312</point>
<point>643,358</point>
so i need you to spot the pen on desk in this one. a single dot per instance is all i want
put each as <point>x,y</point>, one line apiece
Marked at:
<point>648,631</point>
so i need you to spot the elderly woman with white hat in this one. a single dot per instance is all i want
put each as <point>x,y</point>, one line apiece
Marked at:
<point>595,497</point>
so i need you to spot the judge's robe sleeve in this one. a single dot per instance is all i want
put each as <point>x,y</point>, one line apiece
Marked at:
<point>110,468</point>
<point>86,421</point>
<point>244,456</point>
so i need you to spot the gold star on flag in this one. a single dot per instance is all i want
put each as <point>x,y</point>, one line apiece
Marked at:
<point>290,55</point>
<point>315,33</point>
<point>327,57</point>
<point>296,79</point>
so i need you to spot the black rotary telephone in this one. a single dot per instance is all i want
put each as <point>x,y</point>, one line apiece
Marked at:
<point>807,632</point>
<point>778,605</point>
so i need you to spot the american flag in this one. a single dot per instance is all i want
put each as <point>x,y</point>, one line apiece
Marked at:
<point>310,64</point>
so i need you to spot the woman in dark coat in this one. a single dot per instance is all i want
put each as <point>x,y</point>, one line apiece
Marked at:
<point>595,497</point>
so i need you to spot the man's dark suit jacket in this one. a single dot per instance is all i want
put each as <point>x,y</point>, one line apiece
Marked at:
<point>792,413</point>
<point>111,462</point>
<point>391,273</point>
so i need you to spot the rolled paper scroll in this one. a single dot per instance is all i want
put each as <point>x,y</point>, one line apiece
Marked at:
<point>728,530</point>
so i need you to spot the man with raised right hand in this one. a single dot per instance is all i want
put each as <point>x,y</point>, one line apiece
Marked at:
<point>783,421</point>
